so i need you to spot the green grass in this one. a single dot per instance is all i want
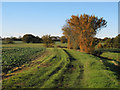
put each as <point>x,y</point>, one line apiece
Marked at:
<point>111,55</point>
<point>61,44</point>
<point>21,44</point>
<point>18,42</point>
<point>0,41</point>
<point>63,68</point>
<point>95,74</point>
<point>24,45</point>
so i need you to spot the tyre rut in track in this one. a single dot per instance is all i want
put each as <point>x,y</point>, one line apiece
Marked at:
<point>53,71</point>
<point>70,68</point>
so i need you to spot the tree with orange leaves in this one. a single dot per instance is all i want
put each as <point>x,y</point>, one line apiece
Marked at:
<point>83,28</point>
<point>71,37</point>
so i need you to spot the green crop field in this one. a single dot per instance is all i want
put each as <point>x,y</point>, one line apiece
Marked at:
<point>56,68</point>
<point>14,56</point>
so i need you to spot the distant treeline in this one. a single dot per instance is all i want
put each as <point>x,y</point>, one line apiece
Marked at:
<point>110,42</point>
<point>12,38</point>
<point>29,38</point>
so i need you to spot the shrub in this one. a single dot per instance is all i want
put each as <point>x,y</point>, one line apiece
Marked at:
<point>29,38</point>
<point>47,40</point>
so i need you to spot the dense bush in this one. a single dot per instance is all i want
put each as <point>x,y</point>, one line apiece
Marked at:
<point>29,38</point>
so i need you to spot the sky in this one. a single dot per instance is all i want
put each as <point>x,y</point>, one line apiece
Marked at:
<point>41,18</point>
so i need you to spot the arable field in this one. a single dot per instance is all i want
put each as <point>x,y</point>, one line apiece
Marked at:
<point>14,57</point>
<point>37,67</point>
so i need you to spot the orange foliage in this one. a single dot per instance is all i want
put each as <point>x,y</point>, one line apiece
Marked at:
<point>81,30</point>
